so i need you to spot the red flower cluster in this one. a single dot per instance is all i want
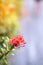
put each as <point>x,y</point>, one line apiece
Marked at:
<point>17,40</point>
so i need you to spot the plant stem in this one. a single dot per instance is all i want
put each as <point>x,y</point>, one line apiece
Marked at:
<point>6,52</point>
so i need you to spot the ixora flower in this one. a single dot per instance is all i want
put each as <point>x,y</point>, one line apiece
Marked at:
<point>9,15</point>
<point>17,41</point>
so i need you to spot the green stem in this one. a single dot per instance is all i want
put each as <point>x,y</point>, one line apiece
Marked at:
<point>6,52</point>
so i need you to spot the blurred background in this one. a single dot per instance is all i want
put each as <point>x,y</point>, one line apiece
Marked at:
<point>31,20</point>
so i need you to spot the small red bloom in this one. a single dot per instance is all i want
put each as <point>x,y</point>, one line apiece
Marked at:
<point>17,40</point>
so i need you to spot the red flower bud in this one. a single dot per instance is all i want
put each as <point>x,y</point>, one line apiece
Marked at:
<point>17,40</point>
